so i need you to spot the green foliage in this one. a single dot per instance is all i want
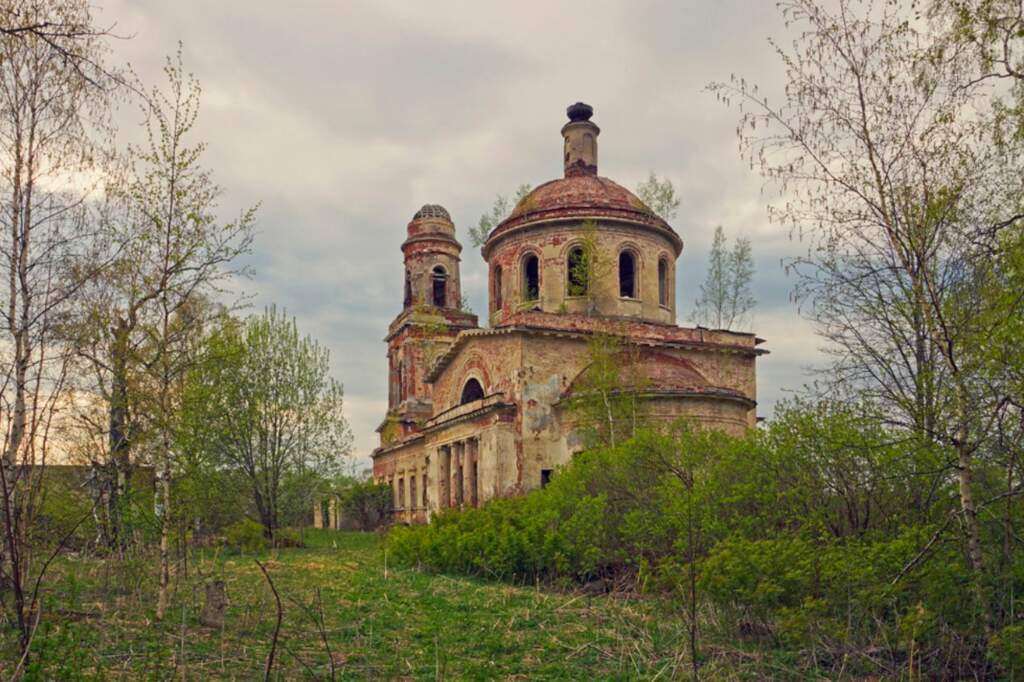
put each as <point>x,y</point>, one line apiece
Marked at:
<point>726,298</point>
<point>499,211</point>
<point>261,402</point>
<point>606,403</point>
<point>659,195</point>
<point>246,536</point>
<point>813,532</point>
<point>1007,650</point>
<point>455,628</point>
<point>589,266</point>
<point>367,502</point>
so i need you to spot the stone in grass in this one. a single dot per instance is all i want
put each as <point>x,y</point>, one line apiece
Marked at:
<point>595,587</point>
<point>215,605</point>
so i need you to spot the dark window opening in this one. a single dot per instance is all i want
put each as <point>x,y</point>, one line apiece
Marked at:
<point>545,477</point>
<point>393,383</point>
<point>497,287</point>
<point>473,499</point>
<point>408,289</point>
<point>412,491</point>
<point>471,391</point>
<point>401,494</point>
<point>401,382</point>
<point>577,272</point>
<point>627,275</point>
<point>531,278</point>
<point>440,287</point>
<point>663,282</point>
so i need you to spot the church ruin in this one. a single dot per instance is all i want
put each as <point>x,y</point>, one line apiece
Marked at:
<point>477,412</point>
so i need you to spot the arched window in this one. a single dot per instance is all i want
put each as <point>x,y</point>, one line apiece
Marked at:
<point>392,383</point>
<point>588,146</point>
<point>496,283</point>
<point>440,287</point>
<point>663,281</point>
<point>408,289</point>
<point>627,274</point>
<point>401,382</point>
<point>531,277</point>
<point>471,391</point>
<point>576,272</point>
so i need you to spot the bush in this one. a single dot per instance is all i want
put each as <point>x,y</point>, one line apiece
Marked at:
<point>367,503</point>
<point>246,536</point>
<point>288,537</point>
<point>1007,650</point>
<point>801,531</point>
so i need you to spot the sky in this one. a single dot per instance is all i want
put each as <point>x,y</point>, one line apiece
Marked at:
<point>340,119</point>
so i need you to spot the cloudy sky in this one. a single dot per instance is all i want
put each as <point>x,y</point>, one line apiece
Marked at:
<point>342,118</point>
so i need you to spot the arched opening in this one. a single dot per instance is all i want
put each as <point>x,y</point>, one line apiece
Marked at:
<point>496,283</point>
<point>627,274</point>
<point>531,278</point>
<point>408,289</point>
<point>440,280</point>
<point>401,382</point>
<point>392,383</point>
<point>663,281</point>
<point>576,272</point>
<point>589,148</point>
<point>471,391</point>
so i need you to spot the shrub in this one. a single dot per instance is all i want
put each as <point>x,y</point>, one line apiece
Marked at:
<point>1007,650</point>
<point>246,536</point>
<point>810,531</point>
<point>368,503</point>
<point>288,537</point>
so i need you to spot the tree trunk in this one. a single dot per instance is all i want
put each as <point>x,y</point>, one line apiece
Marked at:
<point>165,539</point>
<point>119,448</point>
<point>965,467</point>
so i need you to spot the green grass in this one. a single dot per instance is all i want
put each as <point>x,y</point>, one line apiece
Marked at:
<point>400,624</point>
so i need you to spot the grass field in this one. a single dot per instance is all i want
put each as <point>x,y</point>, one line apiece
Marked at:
<point>379,623</point>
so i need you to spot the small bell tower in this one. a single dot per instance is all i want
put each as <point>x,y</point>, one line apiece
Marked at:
<point>432,316</point>
<point>432,260</point>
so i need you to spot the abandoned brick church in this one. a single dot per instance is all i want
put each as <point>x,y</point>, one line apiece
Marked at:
<point>477,412</point>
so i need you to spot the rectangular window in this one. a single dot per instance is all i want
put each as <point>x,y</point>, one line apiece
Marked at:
<point>401,493</point>
<point>545,477</point>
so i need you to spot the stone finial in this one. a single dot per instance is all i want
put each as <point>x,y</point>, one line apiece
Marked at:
<point>580,136</point>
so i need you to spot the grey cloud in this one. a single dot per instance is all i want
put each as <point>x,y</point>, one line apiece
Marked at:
<point>343,118</point>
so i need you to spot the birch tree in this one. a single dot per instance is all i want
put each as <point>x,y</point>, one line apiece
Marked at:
<point>54,126</point>
<point>500,210</point>
<point>181,258</point>
<point>726,298</point>
<point>885,163</point>
<point>660,196</point>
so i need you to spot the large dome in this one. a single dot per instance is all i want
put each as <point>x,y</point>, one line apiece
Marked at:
<point>582,197</point>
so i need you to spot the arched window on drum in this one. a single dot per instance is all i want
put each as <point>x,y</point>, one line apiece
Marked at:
<point>663,281</point>
<point>627,274</point>
<point>531,277</point>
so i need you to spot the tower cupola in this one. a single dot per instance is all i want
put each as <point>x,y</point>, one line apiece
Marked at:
<point>580,135</point>
<point>432,260</point>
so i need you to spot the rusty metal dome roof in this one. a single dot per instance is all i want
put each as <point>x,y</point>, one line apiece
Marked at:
<point>582,197</point>
<point>432,211</point>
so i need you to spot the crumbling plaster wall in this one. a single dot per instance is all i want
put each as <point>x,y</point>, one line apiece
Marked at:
<point>552,244</point>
